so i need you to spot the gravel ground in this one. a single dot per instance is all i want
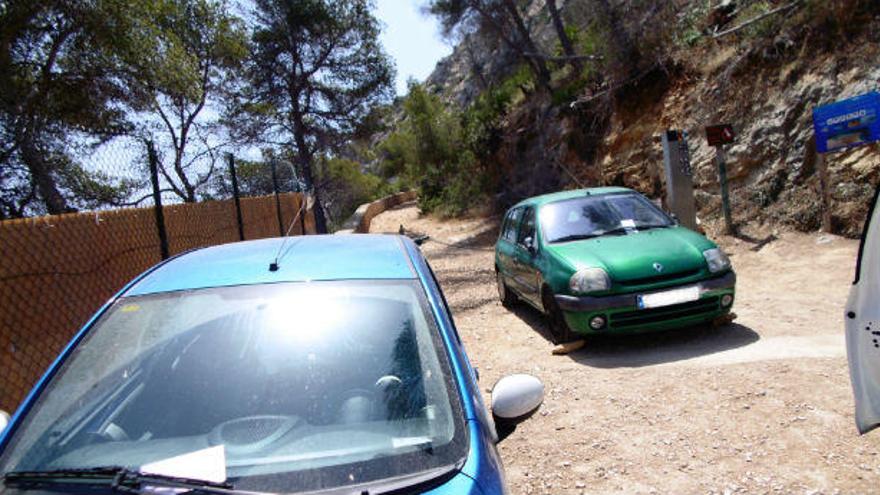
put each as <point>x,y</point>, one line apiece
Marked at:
<point>763,405</point>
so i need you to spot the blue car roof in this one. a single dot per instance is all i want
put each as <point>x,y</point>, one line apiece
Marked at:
<point>303,258</point>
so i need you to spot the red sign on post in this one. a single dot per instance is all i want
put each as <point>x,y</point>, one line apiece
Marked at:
<point>719,135</point>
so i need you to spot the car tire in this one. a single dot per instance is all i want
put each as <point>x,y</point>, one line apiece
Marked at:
<point>508,298</point>
<point>559,329</point>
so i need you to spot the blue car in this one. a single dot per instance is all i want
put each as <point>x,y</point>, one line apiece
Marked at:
<point>323,364</point>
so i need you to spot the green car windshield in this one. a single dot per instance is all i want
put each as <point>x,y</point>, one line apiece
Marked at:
<point>594,216</point>
<point>283,387</point>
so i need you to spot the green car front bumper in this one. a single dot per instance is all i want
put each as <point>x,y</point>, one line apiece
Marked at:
<point>622,314</point>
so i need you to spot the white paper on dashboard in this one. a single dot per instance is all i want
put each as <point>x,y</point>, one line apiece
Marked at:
<point>206,464</point>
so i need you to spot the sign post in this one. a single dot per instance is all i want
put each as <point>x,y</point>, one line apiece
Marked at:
<point>679,178</point>
<point>824,191</point>
<point>839,126</point>
<point>718,136</point>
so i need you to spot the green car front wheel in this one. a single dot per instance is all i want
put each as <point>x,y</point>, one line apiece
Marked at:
<point>508,298</point>
<point>559,329</point>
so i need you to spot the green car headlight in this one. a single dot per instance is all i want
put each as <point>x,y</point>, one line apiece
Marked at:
<point>717,260</point>
<point>589,280</point>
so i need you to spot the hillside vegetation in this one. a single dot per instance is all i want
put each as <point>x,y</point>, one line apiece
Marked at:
<point>497,122</point>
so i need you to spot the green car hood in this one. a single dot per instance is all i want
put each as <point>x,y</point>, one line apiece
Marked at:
<point>632,256</point>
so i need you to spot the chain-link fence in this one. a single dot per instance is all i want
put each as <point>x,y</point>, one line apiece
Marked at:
<point>57,270</point>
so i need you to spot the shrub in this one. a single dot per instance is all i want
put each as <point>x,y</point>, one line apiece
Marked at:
<point>345,186</point>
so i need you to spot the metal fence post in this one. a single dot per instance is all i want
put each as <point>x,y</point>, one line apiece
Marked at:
<point>277,199</point>
<point>235,195</point>
<point>157,200</point>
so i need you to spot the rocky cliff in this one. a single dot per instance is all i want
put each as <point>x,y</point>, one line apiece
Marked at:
<point>764,80</point>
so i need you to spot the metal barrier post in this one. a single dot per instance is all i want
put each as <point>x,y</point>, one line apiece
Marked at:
<point>235,195</point>
<point>679,178</point>
<point>157,200</point>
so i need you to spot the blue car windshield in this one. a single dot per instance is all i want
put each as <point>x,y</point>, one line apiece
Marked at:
<point>280,387</point>
<point>594,216</point>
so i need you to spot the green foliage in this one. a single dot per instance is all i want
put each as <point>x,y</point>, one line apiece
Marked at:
<point>398,152</point>
<point>429,151</point>
<point>94,189</point>
<point>588,41</point>
<point>349,186</point>
<point>254,179</point>
<point>316,70</point>
<point>765,27</point>
<point>483,120</point>
<point>443,165</point>
<point>689,28</point>
<point>70,72</point>
<point>363,187</point>
<point>447,153</point>
<point>205,46</point>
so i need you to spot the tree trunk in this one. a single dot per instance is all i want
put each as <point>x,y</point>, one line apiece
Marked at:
<point>304,159</point>
<point>534,58</point>
<point>476,67</point>
<point>564,40</point>
<point>41,175</point>
<point>623,54</point>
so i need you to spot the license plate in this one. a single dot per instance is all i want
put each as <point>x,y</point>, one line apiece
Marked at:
<point>668,298</point>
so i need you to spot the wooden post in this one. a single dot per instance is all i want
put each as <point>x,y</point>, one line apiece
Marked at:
<point>725,197</point>
<point>824,192</point>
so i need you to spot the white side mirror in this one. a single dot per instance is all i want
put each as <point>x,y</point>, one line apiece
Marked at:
<point>4,420</point>
<point>514,399</point>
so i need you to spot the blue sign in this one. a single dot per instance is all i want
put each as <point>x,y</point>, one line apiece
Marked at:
<point>847,123</point>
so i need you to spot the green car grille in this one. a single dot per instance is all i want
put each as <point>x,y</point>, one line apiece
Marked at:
<point>659,278</point>
<point>628,319</point>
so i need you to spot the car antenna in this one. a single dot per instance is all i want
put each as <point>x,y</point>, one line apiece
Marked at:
<point>273,266</point>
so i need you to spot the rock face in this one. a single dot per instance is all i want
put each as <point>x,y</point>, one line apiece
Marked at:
<point>480,60</point>
<point>771,168</point>
<point>766,88</point>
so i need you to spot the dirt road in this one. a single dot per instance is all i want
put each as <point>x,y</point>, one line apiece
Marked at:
<point>760,406</point>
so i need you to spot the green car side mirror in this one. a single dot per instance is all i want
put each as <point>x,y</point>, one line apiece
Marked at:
<point>529,243</point>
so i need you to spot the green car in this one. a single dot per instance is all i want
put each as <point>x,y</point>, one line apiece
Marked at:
<point>606,260</point>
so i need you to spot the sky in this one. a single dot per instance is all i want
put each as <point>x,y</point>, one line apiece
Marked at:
<point>411,38</point>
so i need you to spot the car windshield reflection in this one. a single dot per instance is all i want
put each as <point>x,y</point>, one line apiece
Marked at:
<point>345,377</point>
<point>595,216</point>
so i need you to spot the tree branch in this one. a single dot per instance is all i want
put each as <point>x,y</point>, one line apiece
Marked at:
<point>758,18</point>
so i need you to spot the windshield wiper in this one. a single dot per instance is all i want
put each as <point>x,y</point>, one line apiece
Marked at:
<point>575,237</point>
<point>618,230</point>
<point>653,226</point>
<point>118,478</point>
<point>580,237</point>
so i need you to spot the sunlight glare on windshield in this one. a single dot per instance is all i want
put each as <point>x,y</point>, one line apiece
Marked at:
<point>299,319</point>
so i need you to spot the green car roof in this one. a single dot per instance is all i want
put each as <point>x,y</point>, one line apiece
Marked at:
<point>574,193</point>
